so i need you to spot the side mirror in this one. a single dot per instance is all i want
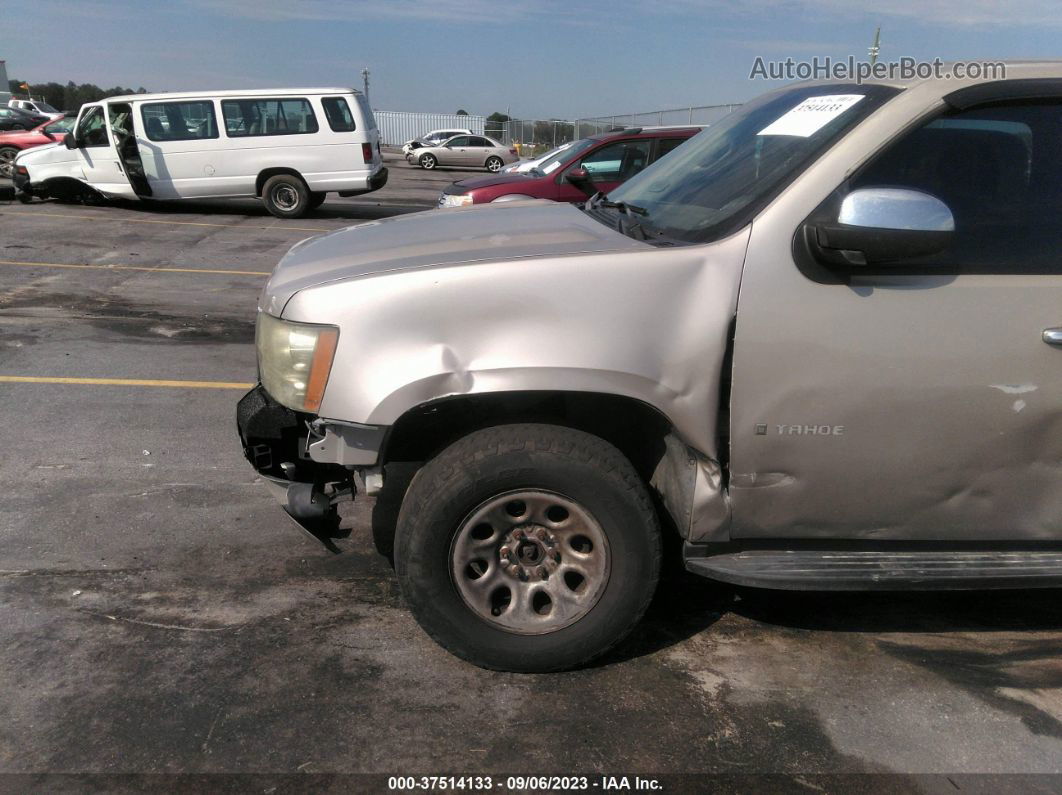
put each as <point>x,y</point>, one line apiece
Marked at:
<point>580,178</point>
<point>877,226</point>
<point>70,141</point>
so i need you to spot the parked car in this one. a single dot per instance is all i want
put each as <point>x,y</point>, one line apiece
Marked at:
<point>466,151</point>
<point>819,342</point>
<point>432,138</point>
<point>14,141</point>
<point>35,107</point>
<point>290,147</point>
<point>16,119</point>
<point>598,163</point>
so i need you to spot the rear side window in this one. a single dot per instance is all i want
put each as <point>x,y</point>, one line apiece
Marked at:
<point>477,141</point>
<point>250,117</point>
<point>337,111</point>
<point>179,121</point>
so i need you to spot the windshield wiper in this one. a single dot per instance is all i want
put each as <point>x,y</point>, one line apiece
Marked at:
<point>599,200</point>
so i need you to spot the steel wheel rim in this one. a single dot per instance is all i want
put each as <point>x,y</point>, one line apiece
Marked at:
<point>7,162</point>
<point>285,197</point>
<point>530,562</point>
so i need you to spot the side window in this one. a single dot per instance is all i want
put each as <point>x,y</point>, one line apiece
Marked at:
<point>617,161</point>
<point>63,125</point>
<point>461,140</point>
<point>337,111</point>
<point>92,129</point>
<point>478,141</point>
<point>667,145</point>
<point>179,121</point>
<point>998,169</point>
<point>250,117</point>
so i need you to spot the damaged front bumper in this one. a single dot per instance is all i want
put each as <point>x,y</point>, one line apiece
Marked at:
<point>308,463</point>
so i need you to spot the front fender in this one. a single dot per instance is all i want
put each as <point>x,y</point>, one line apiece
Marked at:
<point>650,324</point>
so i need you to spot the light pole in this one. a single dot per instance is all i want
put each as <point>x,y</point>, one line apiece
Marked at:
<point>875,48</point>
<point>365,80</point>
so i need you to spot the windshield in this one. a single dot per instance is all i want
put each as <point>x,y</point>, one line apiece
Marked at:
<point>710,185</point>
<point>46,108</point>
<point>558,157</point>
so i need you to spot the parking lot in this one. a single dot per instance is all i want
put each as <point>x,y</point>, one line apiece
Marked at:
<point>161,614</point>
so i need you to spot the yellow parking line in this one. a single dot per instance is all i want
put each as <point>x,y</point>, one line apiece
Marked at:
<point>36,379</point>
<point>16,263</point>
<point>125,220</point>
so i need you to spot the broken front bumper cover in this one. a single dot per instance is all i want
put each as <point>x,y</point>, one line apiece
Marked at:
<point>308,463</point>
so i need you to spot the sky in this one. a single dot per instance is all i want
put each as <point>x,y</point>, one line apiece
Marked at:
<point>548,59</point>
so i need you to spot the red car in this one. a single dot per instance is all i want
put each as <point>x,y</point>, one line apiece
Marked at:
<point>14,141</point>
<point>598,163</point>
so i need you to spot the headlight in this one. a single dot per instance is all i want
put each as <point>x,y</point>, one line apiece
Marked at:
<point>294,360</point>
<point>455,200</point>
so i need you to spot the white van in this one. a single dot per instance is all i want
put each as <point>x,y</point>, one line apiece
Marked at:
<point>290,147</point>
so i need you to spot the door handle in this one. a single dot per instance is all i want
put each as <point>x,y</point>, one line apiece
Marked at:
<point>1053,336</point>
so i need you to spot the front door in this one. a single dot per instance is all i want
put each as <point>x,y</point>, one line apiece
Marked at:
<point>98,156</point>
<point>921,401</point>
<point>457,152</point>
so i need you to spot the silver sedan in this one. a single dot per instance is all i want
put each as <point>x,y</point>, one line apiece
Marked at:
<point>466,151</point>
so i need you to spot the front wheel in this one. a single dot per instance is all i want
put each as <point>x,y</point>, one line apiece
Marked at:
<point>494,164</point>
<point>286,196</point>
<point>7,161</point>
<point>428,161</point>
<point>528,548</point>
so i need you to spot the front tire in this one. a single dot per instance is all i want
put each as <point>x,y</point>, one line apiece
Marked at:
<point>316,200</point>
<point>286,196</point>
<point>428,162</point>
<point>494,164</point>
<point>528,548</point>
<point>7,161</point>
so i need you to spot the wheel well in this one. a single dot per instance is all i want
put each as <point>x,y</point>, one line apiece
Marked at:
<point>268,173</point>
<point>635,428</point>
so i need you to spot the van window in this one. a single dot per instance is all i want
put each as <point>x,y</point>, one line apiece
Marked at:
<point>179,121</point>
<point>92,130</point>
<point>337,111</point>
<point>248,117</point>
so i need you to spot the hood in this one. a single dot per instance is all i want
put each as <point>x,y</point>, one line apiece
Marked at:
<point>489,233</point>
<point>509,178</point>
<point>31,155</point>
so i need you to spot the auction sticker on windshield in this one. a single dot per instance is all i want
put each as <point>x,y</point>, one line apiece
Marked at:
<point>811,115</point>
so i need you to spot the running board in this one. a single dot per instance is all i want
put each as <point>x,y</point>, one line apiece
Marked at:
<point>821,570</point>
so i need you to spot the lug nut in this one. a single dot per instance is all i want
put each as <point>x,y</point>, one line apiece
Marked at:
<point>504,552</point>
<point>518,533</point>
<point>513,569</point>
<point>540,534</point>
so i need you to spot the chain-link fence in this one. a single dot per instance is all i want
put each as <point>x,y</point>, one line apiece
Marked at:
<point>536,136</point>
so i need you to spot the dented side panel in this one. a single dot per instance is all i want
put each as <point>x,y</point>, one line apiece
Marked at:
<point>893,407</point>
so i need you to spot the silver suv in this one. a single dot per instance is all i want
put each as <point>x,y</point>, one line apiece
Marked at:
<point>819,343</point>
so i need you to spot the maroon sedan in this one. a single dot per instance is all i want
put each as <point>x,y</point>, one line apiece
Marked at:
<point>14,141</point>
<point>598,163</point>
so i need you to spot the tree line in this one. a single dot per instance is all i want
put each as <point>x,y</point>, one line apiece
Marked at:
<point>72,96</point>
